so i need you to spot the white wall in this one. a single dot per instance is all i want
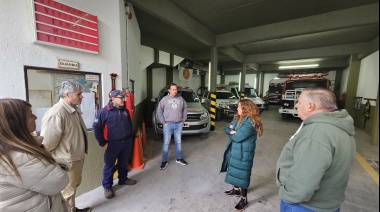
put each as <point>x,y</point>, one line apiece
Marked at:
<point>18,50</point>
<point>193,83</point>
<point>368,84</point>
<point>159,80</point>
<point>139,57</point>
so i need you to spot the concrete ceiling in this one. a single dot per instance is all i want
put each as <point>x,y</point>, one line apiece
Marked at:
<point>261,33</point>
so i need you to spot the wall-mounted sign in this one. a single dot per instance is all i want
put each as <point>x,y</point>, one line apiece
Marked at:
<point>63,26</point>
<point>185,73</point>
<point>68,64</point>
<point>92,77</point>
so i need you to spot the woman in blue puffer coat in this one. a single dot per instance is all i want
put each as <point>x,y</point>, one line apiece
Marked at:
<point>240,150</point>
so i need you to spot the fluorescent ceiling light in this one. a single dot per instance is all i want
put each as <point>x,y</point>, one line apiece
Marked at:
<point>299,66</point>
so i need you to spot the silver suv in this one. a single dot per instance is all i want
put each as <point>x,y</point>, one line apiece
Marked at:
<point>198,118</point>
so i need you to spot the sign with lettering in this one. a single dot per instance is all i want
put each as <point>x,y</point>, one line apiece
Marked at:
<point>92,77</point>
<point>63,26</point>
<point>68,64</point>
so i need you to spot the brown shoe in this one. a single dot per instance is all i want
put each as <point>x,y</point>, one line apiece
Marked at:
<point>108,193</point>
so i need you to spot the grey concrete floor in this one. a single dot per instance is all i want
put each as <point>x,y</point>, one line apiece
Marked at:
<point>199,186</point>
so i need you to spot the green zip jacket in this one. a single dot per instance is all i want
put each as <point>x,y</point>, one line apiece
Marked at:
<point>314,165</point>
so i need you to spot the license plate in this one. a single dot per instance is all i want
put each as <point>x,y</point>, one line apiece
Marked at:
<point>186,124</point>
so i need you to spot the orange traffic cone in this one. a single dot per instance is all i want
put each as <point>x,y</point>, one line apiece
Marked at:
<point>145,142</point>
<point>136,163</point>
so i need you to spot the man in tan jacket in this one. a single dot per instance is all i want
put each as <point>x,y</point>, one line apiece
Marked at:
<point>65,136</point>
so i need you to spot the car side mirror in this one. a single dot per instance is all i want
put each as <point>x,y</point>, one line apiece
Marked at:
<point>203,101</point>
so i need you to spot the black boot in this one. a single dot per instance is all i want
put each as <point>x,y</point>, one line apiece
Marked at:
<point>232,192</point>
<point>243,203</point>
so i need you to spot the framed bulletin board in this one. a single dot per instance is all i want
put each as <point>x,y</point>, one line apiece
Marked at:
<point>43,86</point>
<point>40,98</point>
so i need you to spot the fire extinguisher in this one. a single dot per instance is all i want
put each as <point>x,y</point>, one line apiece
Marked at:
<point>129,103</point>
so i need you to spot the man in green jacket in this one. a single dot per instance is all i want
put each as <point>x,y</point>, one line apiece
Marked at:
<point>313,169</point>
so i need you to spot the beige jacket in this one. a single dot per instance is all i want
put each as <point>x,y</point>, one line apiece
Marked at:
<point>39,188</point>
<point>64,132</point>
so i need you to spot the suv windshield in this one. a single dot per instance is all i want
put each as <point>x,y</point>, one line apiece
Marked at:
<point>188,96</point>
<point>225,95</point>
<point>250,92</point>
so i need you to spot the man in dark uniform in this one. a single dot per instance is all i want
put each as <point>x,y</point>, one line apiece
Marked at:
<point>113,130</point>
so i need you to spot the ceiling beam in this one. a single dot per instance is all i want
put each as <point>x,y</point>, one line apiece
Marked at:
<point>166,46</point>
<point>169,13</point>
<point>352,17</point>
<point>254,66</point>
<point>328,51</point>
<point>233,53</point>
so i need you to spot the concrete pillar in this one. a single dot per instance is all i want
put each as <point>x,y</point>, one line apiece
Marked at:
<point>262,76</point>
<point>257,81</point>
<point>212,85</point>
<point>352,82</point>
<point>203,80</point>
<point>375,128</point>
<point>222,78</point>
<point>169,75</point>
<point>242,81</point>
<point>338,82</point>
<point>147,116</point>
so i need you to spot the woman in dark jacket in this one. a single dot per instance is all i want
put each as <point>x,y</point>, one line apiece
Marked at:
<point>240,150</point>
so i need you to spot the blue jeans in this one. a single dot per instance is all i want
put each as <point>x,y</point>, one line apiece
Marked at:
<point>287,207</point>
<point>169,129</point>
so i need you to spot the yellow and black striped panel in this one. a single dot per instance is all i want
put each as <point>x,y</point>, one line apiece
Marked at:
<point>213,110</point>
<point>242,95</point>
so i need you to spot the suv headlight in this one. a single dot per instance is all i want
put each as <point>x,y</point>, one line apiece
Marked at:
<point>204,116</point>
<point>223,105</point>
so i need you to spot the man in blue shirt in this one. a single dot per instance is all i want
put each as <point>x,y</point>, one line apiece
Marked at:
<point>113,130</point>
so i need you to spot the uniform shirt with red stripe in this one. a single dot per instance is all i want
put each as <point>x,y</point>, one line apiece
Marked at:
<point>112,124</point>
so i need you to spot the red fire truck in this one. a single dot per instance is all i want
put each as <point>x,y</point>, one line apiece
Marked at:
<point>293,88</point>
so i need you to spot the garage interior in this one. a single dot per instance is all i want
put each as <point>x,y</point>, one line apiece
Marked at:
<point>200,186</point>
<point>242,31</point>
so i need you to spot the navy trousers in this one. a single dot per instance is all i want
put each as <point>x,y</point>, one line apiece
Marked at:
<point>120,151</point>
